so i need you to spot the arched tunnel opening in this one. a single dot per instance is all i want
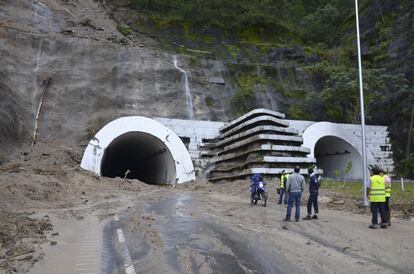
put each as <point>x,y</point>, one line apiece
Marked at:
<point>338,158</point>
<point>139,155</point>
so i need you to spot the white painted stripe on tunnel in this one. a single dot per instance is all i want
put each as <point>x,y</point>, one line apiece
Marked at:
<point>120,234</point>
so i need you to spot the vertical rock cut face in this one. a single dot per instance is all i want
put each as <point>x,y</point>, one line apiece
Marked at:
<point>138,155</point>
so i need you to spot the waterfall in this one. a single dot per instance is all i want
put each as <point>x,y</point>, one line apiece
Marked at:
<point>35,80</point>
<point>188,98</point>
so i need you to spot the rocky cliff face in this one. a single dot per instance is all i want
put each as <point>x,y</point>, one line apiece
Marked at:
<point>90,67</point>
<point>95,73</point>
<point>73,55</point>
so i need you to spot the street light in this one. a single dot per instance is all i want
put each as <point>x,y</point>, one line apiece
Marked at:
<point>361,100</point>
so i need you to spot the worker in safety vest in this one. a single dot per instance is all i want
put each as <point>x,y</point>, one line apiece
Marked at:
<point>283,180</point>
<point>387,179</point>
<point>376,194</point>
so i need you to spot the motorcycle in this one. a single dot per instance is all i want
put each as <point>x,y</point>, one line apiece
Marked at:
<point>258,194</point>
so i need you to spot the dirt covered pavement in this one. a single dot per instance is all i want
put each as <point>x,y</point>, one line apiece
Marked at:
<point>52,212</point>
<point>47,183</point>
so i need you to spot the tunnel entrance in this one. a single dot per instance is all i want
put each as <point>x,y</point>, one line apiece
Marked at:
<point>139,155</point>
<point>338,158</point>
<point>151,152</point>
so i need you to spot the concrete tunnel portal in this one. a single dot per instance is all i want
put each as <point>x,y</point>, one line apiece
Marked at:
<point>139,148</point>
<point>334,148</point>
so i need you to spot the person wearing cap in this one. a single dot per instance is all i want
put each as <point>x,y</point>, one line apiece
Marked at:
<point>376,194</point>
<point>282,191</point>
<point>295,185</point>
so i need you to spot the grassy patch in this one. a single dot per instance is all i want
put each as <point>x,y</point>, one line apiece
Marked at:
<point>355,190</point>
<point>125,30</point>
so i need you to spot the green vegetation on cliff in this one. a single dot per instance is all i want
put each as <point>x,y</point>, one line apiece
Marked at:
<point>254,21</point>
<point>308,54</point>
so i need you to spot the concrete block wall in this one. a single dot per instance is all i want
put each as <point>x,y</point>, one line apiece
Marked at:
<point>260,141</point>
<point>218,147</point>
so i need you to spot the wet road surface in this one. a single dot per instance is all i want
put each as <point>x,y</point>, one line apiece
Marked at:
<point>194,241</point>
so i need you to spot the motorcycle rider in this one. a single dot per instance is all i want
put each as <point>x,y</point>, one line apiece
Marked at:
<point>258,191</point>
<point>255,179</point>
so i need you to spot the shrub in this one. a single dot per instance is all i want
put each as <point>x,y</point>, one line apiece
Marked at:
<point>3,158</point>
<point>124,29</point>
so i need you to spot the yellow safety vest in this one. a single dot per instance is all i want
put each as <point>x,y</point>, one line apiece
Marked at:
<point>282,181</point>
<point>377,192</point>
<point>388,190</point>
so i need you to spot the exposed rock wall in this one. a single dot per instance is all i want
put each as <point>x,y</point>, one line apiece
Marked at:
<point>97,74</point>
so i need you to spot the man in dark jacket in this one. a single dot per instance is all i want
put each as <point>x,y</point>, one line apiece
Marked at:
<point>313,195</point>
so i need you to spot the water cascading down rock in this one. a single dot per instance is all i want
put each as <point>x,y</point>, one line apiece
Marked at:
<point>188,98</point>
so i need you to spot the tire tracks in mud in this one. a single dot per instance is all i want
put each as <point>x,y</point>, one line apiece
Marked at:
<point>343,250</point>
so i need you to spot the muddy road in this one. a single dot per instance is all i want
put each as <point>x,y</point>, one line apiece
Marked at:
<point>205,231</point>
<point>56,218</point>
<point>201,230</point>
<point>192,240</point>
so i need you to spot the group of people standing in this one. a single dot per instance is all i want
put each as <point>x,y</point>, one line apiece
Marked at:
<point>379,193</point>
<point>292,187</point>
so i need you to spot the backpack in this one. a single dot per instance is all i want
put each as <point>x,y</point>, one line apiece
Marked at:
<point>318,180</point>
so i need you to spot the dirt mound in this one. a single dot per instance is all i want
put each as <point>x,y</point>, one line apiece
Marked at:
<point>47,178</point>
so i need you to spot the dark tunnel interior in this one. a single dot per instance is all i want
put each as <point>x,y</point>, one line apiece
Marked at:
<point>338,158</point>
<point>139,155</point>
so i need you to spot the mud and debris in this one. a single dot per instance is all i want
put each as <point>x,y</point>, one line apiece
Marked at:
<point>44,181</point>
<point>190,227</point>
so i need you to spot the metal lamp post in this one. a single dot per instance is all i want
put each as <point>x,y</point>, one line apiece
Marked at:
<point>361,99</point>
